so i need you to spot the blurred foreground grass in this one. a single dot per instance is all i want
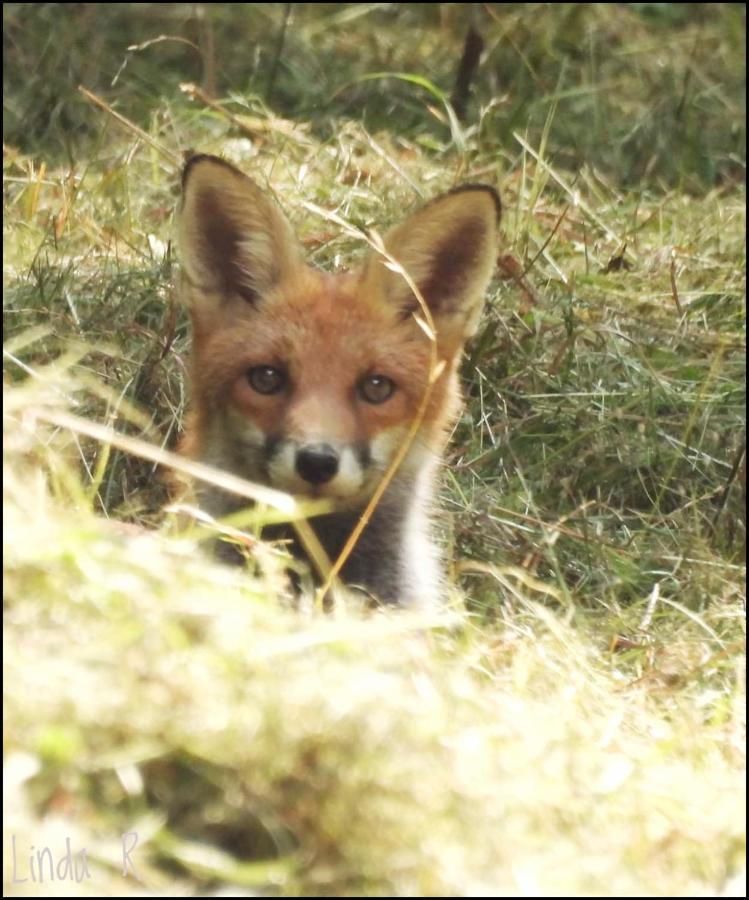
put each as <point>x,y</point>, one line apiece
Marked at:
<point>576,723</point>
<point>250,747</point>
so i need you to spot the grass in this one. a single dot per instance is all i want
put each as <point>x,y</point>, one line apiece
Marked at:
<point>576,724</point>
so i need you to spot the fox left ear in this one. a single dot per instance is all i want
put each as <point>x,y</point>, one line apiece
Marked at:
<point>449,250</point>
<point>234,239</point>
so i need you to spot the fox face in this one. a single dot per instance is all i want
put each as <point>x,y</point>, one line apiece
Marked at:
<point>307,381</point>
<point>308,396</point>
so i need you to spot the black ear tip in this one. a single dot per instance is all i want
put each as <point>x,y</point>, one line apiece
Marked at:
<point>192,159</point>
<point>485,188</point>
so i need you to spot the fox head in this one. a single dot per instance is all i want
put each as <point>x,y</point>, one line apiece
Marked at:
<point>307,381</point>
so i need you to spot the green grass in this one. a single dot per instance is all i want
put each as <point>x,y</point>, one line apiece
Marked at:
<point>577,724</point>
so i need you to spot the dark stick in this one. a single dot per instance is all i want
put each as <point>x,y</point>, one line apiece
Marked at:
<point>278,51</point>
<point>472,48</point>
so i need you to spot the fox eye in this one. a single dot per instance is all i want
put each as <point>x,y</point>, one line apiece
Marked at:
<point>266,379</point>
<point>376,388</point>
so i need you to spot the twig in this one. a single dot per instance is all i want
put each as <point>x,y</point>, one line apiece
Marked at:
<point>578,201</point>
<point>738,461</point>
<point>207,50</point>
<point>472,50</point>
<point>192,90</point>
<point>131,126</point>
<point>546,242</point>
<point>277,53</point>
<point>674,291</point>
<point>650,608</point>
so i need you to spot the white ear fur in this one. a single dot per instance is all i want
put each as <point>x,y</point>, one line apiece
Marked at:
<point>449,249</point>
<point>233,237</point>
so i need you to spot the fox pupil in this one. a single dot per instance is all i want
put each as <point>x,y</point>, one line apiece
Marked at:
<point>266,379</point>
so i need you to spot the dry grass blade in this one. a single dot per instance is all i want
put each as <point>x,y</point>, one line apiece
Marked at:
<point>375,241</point>
<point>131,126</point>
<point>295,512</point>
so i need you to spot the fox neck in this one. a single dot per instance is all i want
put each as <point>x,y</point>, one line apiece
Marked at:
<point>394,559</point>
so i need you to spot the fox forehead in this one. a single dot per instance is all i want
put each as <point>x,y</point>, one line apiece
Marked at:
<point>323,328</point>
<point>327,333</point>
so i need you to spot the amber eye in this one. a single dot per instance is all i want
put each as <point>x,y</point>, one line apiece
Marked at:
<point>376,388</point>
<point>266,379</point>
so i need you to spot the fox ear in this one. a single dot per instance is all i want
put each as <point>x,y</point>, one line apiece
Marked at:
<point>449,250</point>
<point>233,237</point>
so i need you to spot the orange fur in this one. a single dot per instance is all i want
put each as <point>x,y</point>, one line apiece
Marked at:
<point>253,303</point>
<point>301,323</point>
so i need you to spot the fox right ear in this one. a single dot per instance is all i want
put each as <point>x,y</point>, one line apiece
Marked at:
<point>449,249</point>
<point>233,237</point>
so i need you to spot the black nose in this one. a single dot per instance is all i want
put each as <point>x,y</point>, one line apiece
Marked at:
<point>317,463</point>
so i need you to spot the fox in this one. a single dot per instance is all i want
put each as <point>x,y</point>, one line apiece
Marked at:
<point>309,381</point>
